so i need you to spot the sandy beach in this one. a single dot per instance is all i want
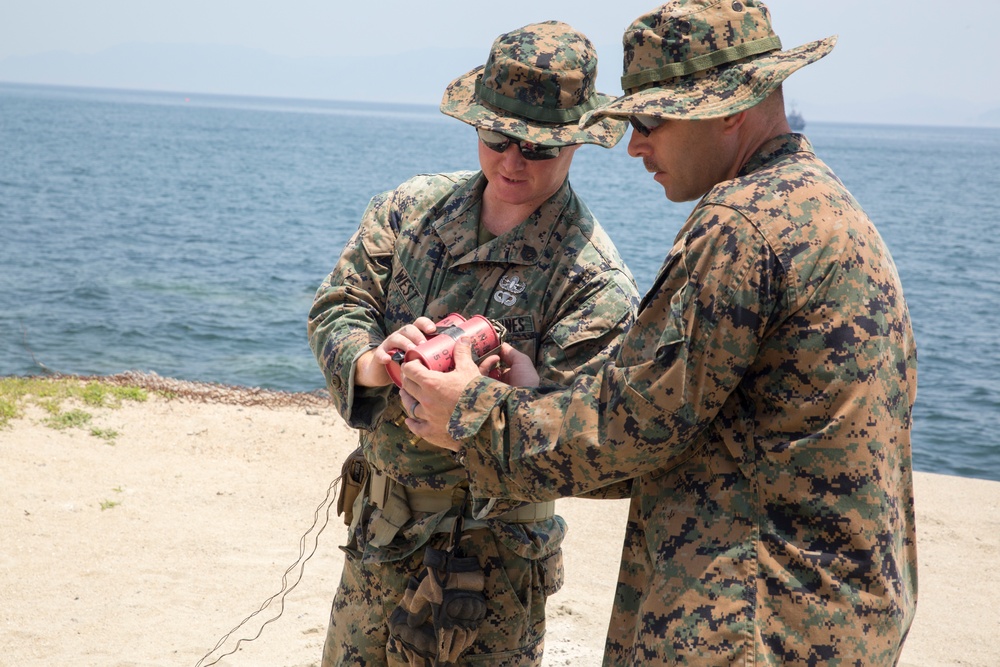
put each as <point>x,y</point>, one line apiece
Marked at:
<point>147,546</point>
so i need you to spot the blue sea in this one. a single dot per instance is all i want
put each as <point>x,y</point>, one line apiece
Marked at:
<point>186,234</point>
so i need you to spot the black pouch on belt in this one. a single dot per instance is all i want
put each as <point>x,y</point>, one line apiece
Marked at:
<point>353,475</point>
<point>439,615</point>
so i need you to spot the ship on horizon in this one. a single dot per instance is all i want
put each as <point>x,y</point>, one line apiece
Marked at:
<point>796,121</point>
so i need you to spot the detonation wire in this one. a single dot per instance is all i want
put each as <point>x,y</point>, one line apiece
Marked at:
<point>285,588</point>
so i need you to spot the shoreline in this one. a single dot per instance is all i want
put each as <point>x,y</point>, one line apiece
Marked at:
<point>147,547</point>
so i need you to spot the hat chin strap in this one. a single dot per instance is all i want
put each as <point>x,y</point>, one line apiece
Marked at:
<point>700,63</point>
<point>532,112</point>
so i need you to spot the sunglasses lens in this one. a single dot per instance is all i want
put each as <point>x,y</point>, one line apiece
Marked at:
<point>493,140</point>
<point>535,152</point>
<point>637,126</point>
<point>529,151</point>
<point>644,124</point>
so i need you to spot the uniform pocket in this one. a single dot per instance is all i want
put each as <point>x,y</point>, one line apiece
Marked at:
<point>512,631</point>
<point>551,573</point>
<point>527,656</point>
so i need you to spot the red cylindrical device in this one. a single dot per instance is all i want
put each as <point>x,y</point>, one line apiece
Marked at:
<point>438,351</point>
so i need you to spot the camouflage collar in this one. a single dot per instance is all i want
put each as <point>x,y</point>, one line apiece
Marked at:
<point>458,228</point>
<point>775,149</point>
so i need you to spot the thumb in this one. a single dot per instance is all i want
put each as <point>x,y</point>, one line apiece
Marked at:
<point>463,354</point>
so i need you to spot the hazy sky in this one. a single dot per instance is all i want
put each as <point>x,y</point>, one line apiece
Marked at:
<point>895,59</point>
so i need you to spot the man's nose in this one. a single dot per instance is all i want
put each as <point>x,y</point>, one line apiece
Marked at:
<point>637,144</point>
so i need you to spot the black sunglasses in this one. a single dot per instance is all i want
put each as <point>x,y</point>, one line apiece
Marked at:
<point>529,151</point>
<point>645,124</point>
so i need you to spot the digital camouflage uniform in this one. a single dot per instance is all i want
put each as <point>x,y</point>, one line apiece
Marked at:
<point>559,287</point>
<point>556,284</point>
<point>762,403</point>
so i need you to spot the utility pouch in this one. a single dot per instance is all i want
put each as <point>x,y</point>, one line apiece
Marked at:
<point>353,476</point>
<point>441,610</point>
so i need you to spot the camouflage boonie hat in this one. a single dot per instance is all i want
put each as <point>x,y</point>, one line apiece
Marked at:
<point>537,83</point>
<point>699,59</point>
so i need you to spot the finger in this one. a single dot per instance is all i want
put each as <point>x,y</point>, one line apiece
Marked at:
<point>487,364</point>
<point>405,396</point>
<point>413,333</point>
<point>425,324</point>
<point>427,432</point>
<point>463,353</point>
<point>415,375</point>
<point>395,343</point>
<point>407,401</point>
<point>508,353</point>
<point>387,352</point>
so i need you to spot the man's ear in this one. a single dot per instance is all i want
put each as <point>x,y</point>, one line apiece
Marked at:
<point>733,122</point>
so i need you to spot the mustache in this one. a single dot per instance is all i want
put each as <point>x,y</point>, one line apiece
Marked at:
<point>650,166</point>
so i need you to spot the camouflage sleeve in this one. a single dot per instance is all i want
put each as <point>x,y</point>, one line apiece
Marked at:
<point>701,323</point>
<point>346,318</point>
<point>589,337</point>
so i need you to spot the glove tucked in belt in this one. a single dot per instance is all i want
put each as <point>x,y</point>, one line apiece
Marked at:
<point>439,615</point>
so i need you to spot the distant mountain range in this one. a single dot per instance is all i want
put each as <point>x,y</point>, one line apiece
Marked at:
<point>990,118</point>
<point>418,77</point>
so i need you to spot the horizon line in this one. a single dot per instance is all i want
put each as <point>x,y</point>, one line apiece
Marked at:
<point>423,106</point>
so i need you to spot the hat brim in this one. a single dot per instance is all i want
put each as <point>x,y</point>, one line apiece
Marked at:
<point>721,91</point>
<point>460,101</point>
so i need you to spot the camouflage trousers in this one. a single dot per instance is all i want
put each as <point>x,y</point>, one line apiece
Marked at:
<point>511,635</point>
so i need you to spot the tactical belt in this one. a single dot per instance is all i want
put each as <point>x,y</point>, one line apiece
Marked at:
<point>433,501</point>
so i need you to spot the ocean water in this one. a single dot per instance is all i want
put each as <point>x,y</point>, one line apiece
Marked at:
<point>186,236</point>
